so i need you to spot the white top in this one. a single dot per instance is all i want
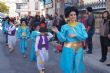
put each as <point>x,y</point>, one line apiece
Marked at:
<point>11,28</point>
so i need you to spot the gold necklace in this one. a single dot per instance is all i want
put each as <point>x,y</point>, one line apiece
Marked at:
<point>24,27</point>
<point>73,24</point>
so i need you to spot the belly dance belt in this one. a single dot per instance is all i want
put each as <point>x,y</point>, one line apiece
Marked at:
<point>73,45</point>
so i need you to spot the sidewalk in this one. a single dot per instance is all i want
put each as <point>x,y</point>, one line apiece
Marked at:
<point>5,66</point>
<point>94,58</point>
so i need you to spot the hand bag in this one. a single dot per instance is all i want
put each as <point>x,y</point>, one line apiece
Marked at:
<point>59,48</point>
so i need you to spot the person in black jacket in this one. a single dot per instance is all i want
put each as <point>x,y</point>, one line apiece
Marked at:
<point>109,39</point>
<point>90,29</point>
<point>61,22</point>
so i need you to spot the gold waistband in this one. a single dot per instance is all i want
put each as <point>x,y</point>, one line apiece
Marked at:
<point>74,45</point>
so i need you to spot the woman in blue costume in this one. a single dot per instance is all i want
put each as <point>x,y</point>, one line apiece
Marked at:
<point>34,34</point>
<point>72,34</point>
<point>23,34</point>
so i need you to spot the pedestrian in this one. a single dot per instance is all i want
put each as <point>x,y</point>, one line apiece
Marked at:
<point>90,29</point>
<point>49,22</point>
<point>109,40</point>
<point>72,34</point>
<point>61,22</point>
<point>84,21</point>
<point>42,48</point>
<point>32,24</point>
<point>104,31</point>
<point>34,34</point>
<point>23,34</point>
<point>56,23</point>
<point>11,35</point>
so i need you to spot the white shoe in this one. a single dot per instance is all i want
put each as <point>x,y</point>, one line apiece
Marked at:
<point>41,71</point>
<point>24,56</point>
<point>11,50</point>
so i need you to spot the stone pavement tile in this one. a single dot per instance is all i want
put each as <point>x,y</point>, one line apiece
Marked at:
<point>7,71</point>
<point>93,60</point>
<point>5,66</point>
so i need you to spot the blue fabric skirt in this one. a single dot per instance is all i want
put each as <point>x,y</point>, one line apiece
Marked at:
<point>72,61</point>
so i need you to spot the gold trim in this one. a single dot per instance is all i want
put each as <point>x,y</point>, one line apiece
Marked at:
<point>74,45</point>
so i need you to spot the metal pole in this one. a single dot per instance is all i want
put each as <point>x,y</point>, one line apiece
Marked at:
<point>72,2</point>
<point>55,6</point>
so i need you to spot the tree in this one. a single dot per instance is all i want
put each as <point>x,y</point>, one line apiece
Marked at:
<point>3,7</point>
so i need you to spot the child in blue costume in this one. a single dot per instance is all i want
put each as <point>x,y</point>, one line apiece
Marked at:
<point>34,34</point>
<point>5,28</point>
<point>72,34</point>
<point>6,24</point>
<point>23,34</point>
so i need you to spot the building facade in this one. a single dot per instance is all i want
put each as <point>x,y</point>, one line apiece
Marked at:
<point>108,5</point>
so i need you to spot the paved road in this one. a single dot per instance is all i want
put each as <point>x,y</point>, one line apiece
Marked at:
<point>15,63</point>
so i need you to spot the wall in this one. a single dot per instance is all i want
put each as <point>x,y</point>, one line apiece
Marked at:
<point>108,5</point>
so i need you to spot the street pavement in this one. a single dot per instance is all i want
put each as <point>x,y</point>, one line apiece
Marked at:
<point>15,63</point>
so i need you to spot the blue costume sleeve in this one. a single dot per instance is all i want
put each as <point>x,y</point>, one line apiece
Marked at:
<point>81,33</point>
<point>32,36</point>
<point>61,35</point>
<point>28,33</point>
<point>19,32</point>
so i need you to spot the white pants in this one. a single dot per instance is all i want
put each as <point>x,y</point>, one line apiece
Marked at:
<point>42,58</point>
<point>11,41</point>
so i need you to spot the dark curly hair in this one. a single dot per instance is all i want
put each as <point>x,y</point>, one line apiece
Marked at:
<point>43,29</point>
<point>23,19</point>
<point>70,9</point>
<point>89,9</point>
<point>108,14</point>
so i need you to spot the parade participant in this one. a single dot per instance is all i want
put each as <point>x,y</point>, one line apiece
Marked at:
<point>72,34</point>
<point>11,35</point>
<point>6,25</point>
<point>41,48</point>
<point>23,34</point>
<point>34,34</point>
<point>109,40</point>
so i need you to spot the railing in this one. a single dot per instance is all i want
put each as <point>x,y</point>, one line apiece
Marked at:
<point>99,5</point>
<point>98,8</point>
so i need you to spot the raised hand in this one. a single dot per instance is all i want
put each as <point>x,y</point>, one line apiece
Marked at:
<point>54,29</point>
<point>72,35</point>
